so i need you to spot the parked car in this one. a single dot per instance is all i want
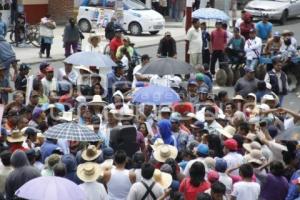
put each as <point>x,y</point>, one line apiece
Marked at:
<point>137,18</point>
<point>276,9</point>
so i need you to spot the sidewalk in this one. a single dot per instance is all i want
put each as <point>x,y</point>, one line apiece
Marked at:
<point>30,54</point>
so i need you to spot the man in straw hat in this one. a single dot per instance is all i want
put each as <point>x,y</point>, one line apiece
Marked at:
<point>91,154</point>
<point>147,188</point>
<point>94,43</point>
<point>89,173</point>
<point>16,140</point>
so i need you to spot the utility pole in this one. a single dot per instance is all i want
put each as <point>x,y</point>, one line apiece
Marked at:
<point>119,12</point>
<point>234,14</point>
<point>188,24</point>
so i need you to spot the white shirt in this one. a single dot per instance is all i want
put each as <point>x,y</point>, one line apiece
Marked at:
<point>72,76</point>
<point>49,86</point>
<point>234,159</point>
<point>238,22</point>
<point>162,81</point>
<point>91,48</point>
<point>135,72</point>
<point>195,40</point>
<point>253,48</point>
<point>227,181</point>
<point>94,191</point>
<point>246,190</point>
<point>138,190</point>
<point>229,36</point>
<point>118,185</point>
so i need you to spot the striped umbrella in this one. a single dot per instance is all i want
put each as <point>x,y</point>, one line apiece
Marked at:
<point>72,131</point>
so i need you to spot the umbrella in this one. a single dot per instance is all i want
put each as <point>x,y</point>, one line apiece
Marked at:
<point>50,188</point>
<point>155,94</point>
<point>291,134</point>
<point>167,66</point>
<point>72,131</point>
<point>210,13</point>
<point>90,59</point>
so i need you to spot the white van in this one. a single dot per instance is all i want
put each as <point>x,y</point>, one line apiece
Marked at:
<point>137,18</point>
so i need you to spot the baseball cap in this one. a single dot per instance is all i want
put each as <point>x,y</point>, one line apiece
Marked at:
<point>231,144</point>
<point>175,117</point>
<point>118,30</point>
<point>165,109</point>
<point>276,34</point>
<point>30,131</point>
<point>49,69</point>
<point>24,66</point>
<point>198,124</point>
<point>202,90</point>
<point>168,33</point>
<point>202,149</point>
<point>36,113</point>
<point>126,39</point>
<point>43,65</point>
<point>248,69</point>
<point>252,30</point>
<point>34,93</point>
<point>192,82</point>
<point>213,176</point>
<point>199,77</point>
<point>221,165</point>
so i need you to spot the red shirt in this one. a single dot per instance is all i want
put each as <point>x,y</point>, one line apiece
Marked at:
<point>190,192</point>
<point>16,146</point>
<point>218,40</point>
<point>114,45</point>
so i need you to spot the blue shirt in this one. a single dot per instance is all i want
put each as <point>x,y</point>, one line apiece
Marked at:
<point>264,30</point>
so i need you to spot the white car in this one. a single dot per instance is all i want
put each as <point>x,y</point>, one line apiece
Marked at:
<point>276,9</point>
<point>137,19</point>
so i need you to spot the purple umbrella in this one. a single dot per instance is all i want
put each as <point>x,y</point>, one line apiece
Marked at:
<point>50,188</point>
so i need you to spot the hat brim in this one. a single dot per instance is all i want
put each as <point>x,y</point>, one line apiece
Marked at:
<point>165,180</point>
<point>85,157</point>
<point>225,133</point>
<point>94,36</point>
<point>107,164</point>
<point>256,161</point>
<point>15,140</point>
<point>247,147</point>
<point>159,158</point>
<point>89,178</point>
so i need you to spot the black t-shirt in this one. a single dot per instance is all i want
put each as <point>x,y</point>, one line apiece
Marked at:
<point>21,83</point>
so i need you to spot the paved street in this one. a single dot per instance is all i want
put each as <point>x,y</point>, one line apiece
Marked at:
<point>293,24</point>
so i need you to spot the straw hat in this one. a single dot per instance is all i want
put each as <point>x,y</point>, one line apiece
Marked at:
<point>97,99</point>
<point>228,131</point>
<point>238,97</point>
<point>16,136</point>
<point>89,172</point>
<point>157,143</point>
<point>92,36</point>
<point>107,164</point>
<point>256,156</point>
<point>251,136</point>
<point>164,179</point>
<point>251,146</point>
<point>165,151</point>
<point>90,153</point>
<point>83,68</point>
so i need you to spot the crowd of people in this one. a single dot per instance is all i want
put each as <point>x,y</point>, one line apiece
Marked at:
<point>204,147</point>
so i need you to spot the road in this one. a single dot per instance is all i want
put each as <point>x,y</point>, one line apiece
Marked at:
<point>291,100</point>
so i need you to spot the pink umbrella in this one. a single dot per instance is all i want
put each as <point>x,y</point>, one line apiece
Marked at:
<point>50,188</point>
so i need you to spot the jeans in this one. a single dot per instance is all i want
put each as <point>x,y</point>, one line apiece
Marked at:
<point>45,46</point>
<point>252,63</point>
<point>68,46</point>
<point>206,56</point>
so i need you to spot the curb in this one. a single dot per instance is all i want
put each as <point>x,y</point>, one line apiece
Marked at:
<point>61,57</point>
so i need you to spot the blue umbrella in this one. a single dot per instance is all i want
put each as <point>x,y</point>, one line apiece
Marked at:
<point>90,59</point>
<point>155,94</point>
<point>210,13</point>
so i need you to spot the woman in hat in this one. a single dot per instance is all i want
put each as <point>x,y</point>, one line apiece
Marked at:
<point>94,44</point>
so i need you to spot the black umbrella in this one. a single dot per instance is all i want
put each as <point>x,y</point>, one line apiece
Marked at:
<point>167,66</point>
<point>291,134</point>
